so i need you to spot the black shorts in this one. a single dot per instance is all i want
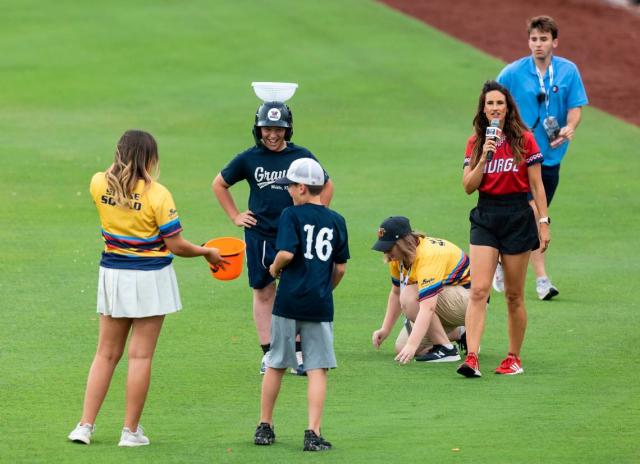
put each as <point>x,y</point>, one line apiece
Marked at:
<point>260,255</point>
<point>504,222</point>
<point>550,180</point>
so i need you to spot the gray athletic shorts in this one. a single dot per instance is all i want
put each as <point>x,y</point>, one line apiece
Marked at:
<point>316,339</point>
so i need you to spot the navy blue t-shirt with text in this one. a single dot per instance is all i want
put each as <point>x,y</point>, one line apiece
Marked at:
<point>260,167</point>
<point>317,237</point>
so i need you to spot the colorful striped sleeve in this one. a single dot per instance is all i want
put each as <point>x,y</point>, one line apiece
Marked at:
<point>170,228</point>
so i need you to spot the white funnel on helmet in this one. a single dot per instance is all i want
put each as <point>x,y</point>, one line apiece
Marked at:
<point>274,91</point>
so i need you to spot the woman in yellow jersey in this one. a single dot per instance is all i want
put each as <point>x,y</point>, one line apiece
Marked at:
<point>137,285</point>
<point>430,286</point>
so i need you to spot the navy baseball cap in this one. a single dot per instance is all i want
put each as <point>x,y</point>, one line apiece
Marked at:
<point>391,230</point>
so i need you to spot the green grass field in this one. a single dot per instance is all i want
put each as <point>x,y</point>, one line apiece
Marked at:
<point>386,104</point>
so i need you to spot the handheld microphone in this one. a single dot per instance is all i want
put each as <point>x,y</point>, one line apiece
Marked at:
<point>493,131</point>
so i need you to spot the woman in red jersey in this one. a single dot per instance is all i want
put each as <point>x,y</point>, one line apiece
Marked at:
<point>502,161</point>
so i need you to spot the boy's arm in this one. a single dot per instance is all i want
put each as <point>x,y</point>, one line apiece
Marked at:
<point>221,190</point>
<point>282,259</point>
<point>338,273</point>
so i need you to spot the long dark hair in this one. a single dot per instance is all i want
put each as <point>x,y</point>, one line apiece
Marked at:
<point>136,158</point>
<point>514,127</point>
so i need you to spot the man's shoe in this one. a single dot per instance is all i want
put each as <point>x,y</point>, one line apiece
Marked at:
<point>440,353</point>
<point>82,433</point>
<point>264,435</point>
<point>545,289</point>
<point>313,442</point>
<point>132,439</point>
<point>498,279</point>
<point>264,363</point>
<point>470,367</point>
<point>511,365</point>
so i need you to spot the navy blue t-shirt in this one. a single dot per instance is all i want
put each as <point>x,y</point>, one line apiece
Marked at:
<point>260,167</point>
<point>317,237</point>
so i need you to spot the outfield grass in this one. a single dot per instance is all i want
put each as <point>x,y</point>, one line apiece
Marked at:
<point>386,103</point>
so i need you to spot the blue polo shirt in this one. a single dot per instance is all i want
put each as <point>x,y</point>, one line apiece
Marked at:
<point>317,237</point>
<point>567,92</point>
<point>260,167</point>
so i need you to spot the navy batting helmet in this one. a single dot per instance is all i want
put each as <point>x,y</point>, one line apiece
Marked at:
<point>273,114</point>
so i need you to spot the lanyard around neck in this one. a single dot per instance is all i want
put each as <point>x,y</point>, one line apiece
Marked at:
<point>543,90</point>
<point>404,275</point>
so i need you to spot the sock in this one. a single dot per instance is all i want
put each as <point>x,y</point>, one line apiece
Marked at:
<point>448,346</point>
<point>298,346</point>
<point>265,348</point>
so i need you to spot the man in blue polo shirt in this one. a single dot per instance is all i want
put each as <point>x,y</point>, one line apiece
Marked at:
<point>550,95</point>
<point>260,166</point>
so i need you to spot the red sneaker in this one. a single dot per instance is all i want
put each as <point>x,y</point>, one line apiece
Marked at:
<point>511,365</point>
<point>470,367</point>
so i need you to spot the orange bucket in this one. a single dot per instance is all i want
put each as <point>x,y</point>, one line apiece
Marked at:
<point>231,250</point>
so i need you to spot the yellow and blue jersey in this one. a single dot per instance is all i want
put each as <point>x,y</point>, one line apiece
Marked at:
<point>437,263</point>
<point>134,235</point>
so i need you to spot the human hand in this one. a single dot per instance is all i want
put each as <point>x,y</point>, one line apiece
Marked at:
<point>490,144</point>
<point>565,135</point>
<point>406,355</point>
<point>214,258</point>
<point>275,273</point>
<point>545,237</point>
<point>378,337</point>
<point>245,219</point>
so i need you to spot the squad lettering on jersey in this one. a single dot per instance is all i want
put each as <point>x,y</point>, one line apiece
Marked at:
<point>261,167</point>
<point>134,236</point>
<point>502,175</point>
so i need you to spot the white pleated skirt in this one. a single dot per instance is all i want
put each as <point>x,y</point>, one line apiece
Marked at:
<point>133,293</point>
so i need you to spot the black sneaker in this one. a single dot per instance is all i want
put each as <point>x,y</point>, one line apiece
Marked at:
<point>440,354</point>
<point>313,442</point>
<point>462,343</point>
<point>264,435</point>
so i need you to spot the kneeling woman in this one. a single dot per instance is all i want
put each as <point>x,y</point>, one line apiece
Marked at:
<point>503,168</point>
<point>430,281</point>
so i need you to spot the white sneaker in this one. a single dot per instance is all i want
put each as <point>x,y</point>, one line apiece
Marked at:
<point>129,438</point>
<point>264,363</point>
<point>498,279</point>
<point>82,433</point>
<point>300,369</point>
<point>545,289</point>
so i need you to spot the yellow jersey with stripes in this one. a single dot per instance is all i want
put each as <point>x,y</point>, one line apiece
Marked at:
<point>437,263</point>
<point>134,235</point>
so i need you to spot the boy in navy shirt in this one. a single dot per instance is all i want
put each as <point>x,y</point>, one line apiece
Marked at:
<point>260,166</point>
<point>311,261</point>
